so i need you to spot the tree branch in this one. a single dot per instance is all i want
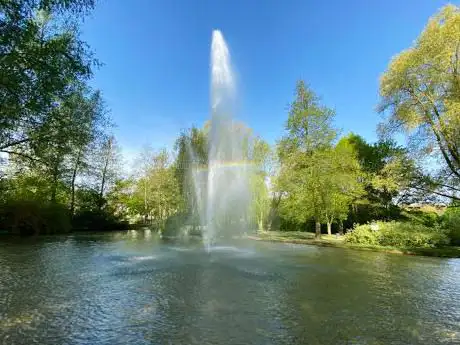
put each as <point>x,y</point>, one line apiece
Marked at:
<point>20,154</point>
<point>14,143</point>
<point>449,196</point>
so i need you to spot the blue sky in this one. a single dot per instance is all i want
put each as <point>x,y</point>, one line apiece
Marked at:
<point>155,76</point>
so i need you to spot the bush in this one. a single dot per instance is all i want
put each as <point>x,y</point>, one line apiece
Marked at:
<point>451,222</point>
<point>398,234</point>
<point>56,219</point>
<point>421,217</point>
<point>174,224</point>
<point>181,224</point>
<point>31,217</point>
<point>97,220</point>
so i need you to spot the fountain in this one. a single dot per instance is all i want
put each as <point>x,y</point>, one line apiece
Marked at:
<point>224,202</point>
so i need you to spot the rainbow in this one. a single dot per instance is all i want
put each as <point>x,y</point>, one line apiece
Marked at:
<point>223,165</point>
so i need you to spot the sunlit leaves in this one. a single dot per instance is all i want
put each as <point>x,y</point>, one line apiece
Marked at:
<point>421,89</point>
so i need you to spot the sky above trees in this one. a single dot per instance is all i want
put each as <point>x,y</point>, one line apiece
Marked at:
<point>155,76</point>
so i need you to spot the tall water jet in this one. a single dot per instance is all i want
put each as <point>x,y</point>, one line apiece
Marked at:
<point>224,213</point>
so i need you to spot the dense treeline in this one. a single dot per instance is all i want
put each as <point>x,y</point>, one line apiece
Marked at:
<point>62,165</point>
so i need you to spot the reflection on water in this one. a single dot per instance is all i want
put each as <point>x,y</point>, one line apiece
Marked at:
<point>131,287</point>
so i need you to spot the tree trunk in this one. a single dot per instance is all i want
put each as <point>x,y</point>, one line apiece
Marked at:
<point>317,230</point>
<point>74,176</point>
<point>341,228</point>
<point>145,200</point>
<point>329,228</point>
<point>104,170</point>
<point>104,173</point>
<point>261,222</point>
<point>54,184</point>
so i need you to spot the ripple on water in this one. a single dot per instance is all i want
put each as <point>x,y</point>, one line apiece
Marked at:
<point>118,294</point>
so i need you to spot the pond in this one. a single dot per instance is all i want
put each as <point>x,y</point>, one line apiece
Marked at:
<point>134,288</point>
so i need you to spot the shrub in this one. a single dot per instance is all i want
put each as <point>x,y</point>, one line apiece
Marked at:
<point>56,219</point>
<point>398,234</point>
<point>97,220</point>
<point>32,217</point>
<point>362,234</point>
<point>174,224</point>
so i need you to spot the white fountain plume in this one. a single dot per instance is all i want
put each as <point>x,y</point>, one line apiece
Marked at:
<point>224,213</point>
<point>222,77</point>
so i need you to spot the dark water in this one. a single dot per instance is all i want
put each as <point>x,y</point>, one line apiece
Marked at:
<point>126,289</point>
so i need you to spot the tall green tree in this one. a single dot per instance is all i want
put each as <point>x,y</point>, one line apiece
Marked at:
<point>41,55</point>
<point>309,125</point>
<point>303,157</point>
<point>343,184</point>
<point>420,91</point>
<point>106,166</point>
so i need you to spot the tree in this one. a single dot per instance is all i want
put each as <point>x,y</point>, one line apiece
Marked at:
<point>421,92</point>
<point>375,161</point>
<point>156,194</point>
<point>343,184</point>
<point>92,113</point>
<point>120,197</point>
<point>309,125</point>
<point>106,165</point>
<point>260,194</point>
<point>165,189</point>
<point>303,157</point>
<point>190,167</point>
<point>69,129</point>
<point>40,58</point>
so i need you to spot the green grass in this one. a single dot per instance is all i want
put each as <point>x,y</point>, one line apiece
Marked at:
<point>338,242</point>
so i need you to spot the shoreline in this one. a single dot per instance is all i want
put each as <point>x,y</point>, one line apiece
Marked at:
<point>333,242</point>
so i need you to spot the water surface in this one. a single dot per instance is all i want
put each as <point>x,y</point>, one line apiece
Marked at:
<point>132,288</point>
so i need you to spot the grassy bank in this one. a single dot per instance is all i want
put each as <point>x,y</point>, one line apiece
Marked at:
<point>338,242</point>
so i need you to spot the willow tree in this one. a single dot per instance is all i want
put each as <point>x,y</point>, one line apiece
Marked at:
<point>191,149</point>
<point>258,182</point>
<point>420,91</point>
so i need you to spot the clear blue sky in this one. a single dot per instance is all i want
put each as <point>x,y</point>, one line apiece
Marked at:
<point>155,77</point>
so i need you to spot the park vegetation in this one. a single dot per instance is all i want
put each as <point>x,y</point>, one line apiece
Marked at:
<point>61,165</point>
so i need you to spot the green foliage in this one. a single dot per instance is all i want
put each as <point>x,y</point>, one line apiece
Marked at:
<point>309,125</point>
<point>97,220</point>
<point>94,213</point>
<point>304,157</point>
<point>174,224</point>
<point>191,153</point>
<point>429,219</point>
<point>261,160</point>
<point>156,193</point>
<point>56,219</point>
<point>378,163</point>
<point>30,217</point>
<point>318,181</point>
<point>420,90</point>
<point>43,60</point>
<point>397,234</point>
<point>451,222</point>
